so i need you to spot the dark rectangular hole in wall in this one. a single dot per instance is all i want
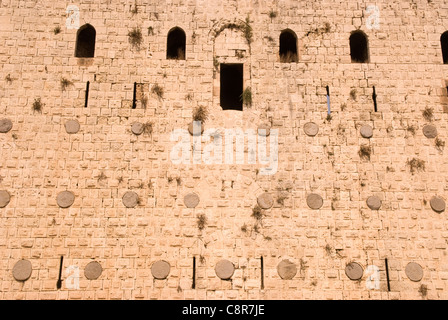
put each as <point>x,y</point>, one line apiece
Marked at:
<point>231,86</point>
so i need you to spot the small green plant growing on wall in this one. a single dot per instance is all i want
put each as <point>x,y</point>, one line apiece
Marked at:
<point>201,221</point>
<point>353,94</point>
<point>135,38</point>
<point>272,14</point>
<point>246,97</point>
<point>148,128</point>
<point>8,78</point>
<point>57,30</point>
<point>364,152</point>
<point>415,165</point>
<point>37,105</point>
<point>200,114</point>
<point>158,91</point>
<point>439,143</point>
<point>428,114</point>
<point>65,83</point>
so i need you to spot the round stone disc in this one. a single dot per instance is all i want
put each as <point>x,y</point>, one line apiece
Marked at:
<point>4,198</point>
<point>224,269</point>
<point>265,201</point>
<point>264,130</point>
<point>414,271</point>
<point>160,269</point>
<point>137,128</point>
<point>22,270</point>
<point>314,201</point>
<point>354,271</point>
<point>191,200</point>
<point>286,269</point>
<point>65,199</point>
<point>130,199</point>
<point>429,131</point>
<point>72,126</point>
<point>191,128</point>
<point>93,270</point>
<point>311,129</point>
<point>373,202</point>
<point>5,125</point>
<point>366,131</point>
<point>437,204</point>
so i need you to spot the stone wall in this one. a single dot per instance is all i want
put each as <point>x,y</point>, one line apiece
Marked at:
<point>287,251</point>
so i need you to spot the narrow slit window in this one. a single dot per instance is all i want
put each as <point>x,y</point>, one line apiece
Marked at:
<point>231,78</point>
<point>85,42</point>
<point>288,46</point>
<point>444,43</point>
<point>359,47</point>
<point>176,44</point>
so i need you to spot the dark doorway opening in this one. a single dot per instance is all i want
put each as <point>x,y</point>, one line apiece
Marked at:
<point>231,86</point>
<point>359,47</point>
<point>85,42</point>
<point>176,44</point>
<point>288,46</point>
<point>444,43</point>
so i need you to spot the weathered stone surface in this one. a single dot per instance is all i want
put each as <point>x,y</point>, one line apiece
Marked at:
<point>4,198</point>
<point>65,199</point>
<point>130,199</point>
<point>265,201</point>
<point>414,271</point>
<point>160,269</point>
<point>191,200</point>
<point>429,131</point>
<point>354,271</point>
<point>93,270</point>
<point>437,204</point>
<point>314,201</point>
<point>5,125</point>
<point>137,128</point>
<point>22,270</point>
<point>286,269</point>
<point>373,202</point>
<point>311,129</point>
<point>224,269</point>
<point>366,131</point>
<point>72,126</point>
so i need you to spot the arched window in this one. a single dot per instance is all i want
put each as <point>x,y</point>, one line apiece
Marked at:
<point>444,43</point>
<point>288,46</point>
<point>359,47</point>
<point>85,42</point>
<point>175,48</point>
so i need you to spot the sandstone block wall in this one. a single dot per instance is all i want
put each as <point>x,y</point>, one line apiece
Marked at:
<point>100,163</point>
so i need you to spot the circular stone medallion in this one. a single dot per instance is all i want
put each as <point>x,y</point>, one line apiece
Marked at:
<point>311,129</point>
<point>191,200</point>
<point>72,126</point>
<point>314,201</point>
<point>366,131</point>
<point>264,130</point>
<point>65,199</point>
<point>22,270</point>
<point>437,204</point>
<point>354,271</point>
<point>429,131</point>
<point>373,202</point>
<point>192,127</point>
<point>5,125</point>
<point>265,201</point>
<point>160,269</point>
<point>130,199</point>
<point>137,128</point>
<point>4,198</point>
<point>224,269</point>
<point>414,271</point>
<point>286,269</point>
<point>93,270</point>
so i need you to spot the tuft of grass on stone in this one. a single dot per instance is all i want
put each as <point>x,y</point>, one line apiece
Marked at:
<point>57,30</point>
<point>65,83</point>
<point>416,165</point>
<point>272,14</point>
<point>246,97</point>
<point>37,105</point>
<point>353,94</point>
<point>8,78</point>
<point>439,143</point>
<point>364,152</point>
<point>148,128</point>
<point>135,37</point>
<point>257,213</point>
<point>428,114</point>
<point>200,114</point>
<point>201,221</point>
<point>158,91</point>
